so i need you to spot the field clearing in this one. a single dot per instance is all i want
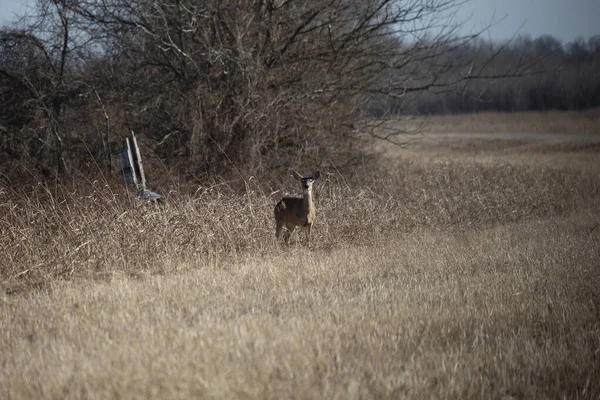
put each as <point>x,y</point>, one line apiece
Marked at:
<point>586,122</point>
<point>489,144</point>
<point>453,269</point>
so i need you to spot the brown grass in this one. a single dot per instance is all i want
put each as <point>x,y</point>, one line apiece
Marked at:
<point>462,275</point>
<point>585,122</point>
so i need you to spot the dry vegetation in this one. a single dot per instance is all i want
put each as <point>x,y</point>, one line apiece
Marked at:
<point>586,122</point>
<point>441,273</point>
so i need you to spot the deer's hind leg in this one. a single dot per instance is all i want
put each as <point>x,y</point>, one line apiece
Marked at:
<point>290,228</point>
<point>278,227</point>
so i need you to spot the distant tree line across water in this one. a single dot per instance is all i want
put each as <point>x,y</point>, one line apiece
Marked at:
<point>217,87</point>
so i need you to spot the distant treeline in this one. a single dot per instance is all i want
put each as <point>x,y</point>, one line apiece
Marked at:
<point>558,77</point>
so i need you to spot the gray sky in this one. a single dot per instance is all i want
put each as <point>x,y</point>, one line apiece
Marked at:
<point>8,8</point>
<point>564,19</point>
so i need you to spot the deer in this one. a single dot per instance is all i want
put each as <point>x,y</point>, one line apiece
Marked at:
<point>297,211</point>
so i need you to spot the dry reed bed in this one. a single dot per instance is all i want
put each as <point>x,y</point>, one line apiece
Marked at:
<point>502,311</point>
<point>66,233</point>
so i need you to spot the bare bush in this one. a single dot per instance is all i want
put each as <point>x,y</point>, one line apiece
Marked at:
<point>214,87</point>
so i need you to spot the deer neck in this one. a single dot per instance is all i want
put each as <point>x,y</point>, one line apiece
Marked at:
<point>307,203</point>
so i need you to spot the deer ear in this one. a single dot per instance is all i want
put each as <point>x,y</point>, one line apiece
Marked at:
<point>316,175</point>
<point>296,175</point>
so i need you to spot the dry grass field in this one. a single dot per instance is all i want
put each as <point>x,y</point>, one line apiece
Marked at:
<point>586,122</point>
<point>454,268</point>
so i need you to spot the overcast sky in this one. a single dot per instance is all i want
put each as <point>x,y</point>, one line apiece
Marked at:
<point>564,19</point>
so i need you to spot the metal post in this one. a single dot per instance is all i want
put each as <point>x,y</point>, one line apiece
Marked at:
<point>141,186</point>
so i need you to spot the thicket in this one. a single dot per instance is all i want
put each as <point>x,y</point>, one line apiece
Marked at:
<point>213,88</point>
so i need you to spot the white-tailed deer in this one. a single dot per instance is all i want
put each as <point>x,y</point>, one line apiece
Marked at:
<point>297,211</point>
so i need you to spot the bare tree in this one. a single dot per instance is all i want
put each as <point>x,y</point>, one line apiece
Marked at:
<point>43,66</point>
<point>213,86</point>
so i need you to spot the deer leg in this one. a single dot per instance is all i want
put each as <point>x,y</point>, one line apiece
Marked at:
<point>288,233</point>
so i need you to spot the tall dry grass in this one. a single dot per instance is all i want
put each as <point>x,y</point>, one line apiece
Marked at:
<point>93,232</point>
<point>498,312</point>
<point>451,278</point>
